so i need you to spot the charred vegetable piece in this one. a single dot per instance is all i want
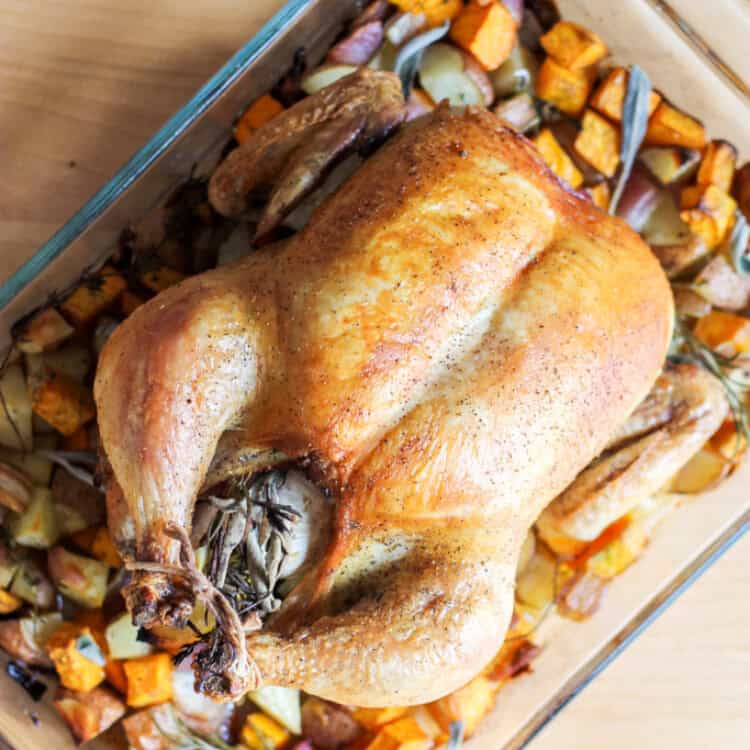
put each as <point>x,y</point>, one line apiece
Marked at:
<point>78,505</point>
<point>708,211</point>
<point>149,680</point>
<point>669,126</point>
<point>20,674</point>
<point>79,578</point>
<point>566,89</point>
<point>159,279</point>
<point>93,296</point>
<point>328,725</point>
<point>88,714</point>
<point>25,639</point>
<point>78,660</point>
<point>573,46</point>
<point>557,159</point>
<point>37,526</point>
<point>260,112</point>
<point>599,143</point>
<point>45,330</point>
<point>609,97</point>
<point>261,732</point>
<point>15,410</point>
<point>486,30</point>
<point>73,360</point>
<point>129,302</point>
<point>718,165</point>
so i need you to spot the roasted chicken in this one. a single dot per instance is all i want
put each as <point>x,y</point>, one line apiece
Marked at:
<point>447,344</point>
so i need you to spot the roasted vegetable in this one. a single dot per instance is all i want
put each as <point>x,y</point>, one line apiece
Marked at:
<point>704,471</point>
<point>375,718</point>
<point>402,734</point>
<point>32,585</point>
<point>741,189</point>
<point>261,732</point>
<point>25,639</point>
<point>519,112</point>
<point>670,164</point>
<point>152,728</point>
<point>78,505</point>
<point>443,74</point>
<point>359,46</point>
<point>717,166</point>
<point>149,680</point>
<point>79,578</point>
<point>580,596</point>
<point>283,704</point>
<point>536,583</point>
<point>517,73</point>
<point>97,541</point>
<point>73,359</point>
<point>9,602</point>
<point>619,553</point>
<point>600,195</point>
<point>722,286</point>
<point>15,410</point>
<point>45,330</point>
<point>62,402</point>
<point>88,714</point>
<point>566,89</point>
<point>402,27</point>
<point>15,488</point>
<point>528,548</point>
<point>129,302</point>
<point>122,639</point>
<point>557,159</point>
<point>487,31</point>
<point>688,303</point>
<point>37,526</point>
<point>325,75</point>
<point>573,46</point>
<point>77,657</point>
<point>609,97</point>
<point>93,296</point>
<point>419,103</point>
<point>327,725</point>
<point>725,332</point>
<point>435,11</point>
<point>599,143</point>
<point>159,279</point>
<point>708,211</point>
<point>260,112</point>
<point>105,327</point>
<point>669,126</point>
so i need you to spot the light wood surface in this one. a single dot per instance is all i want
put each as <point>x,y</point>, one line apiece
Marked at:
<point>83,83</point>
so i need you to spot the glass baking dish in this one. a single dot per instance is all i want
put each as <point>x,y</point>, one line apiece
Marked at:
<point>697,76</point>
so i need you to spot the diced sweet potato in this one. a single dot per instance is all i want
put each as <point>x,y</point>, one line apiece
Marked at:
<point>668,126</point>
<point>573,46</point>
<point>159,279</point>
<point>114,673</point>
<point>717,166</point>
<point>470,705</point>
<point>566,89</point>
<point>599,143</point>
<point>609,97</point>
<point>260,112</point>
<point>78,660</point>
<point>93,296</point>
<point>149,680</point>
<point>557,159</point>
<point>435,11</point>
<point>600,195</point>
<point>44,330</point>
<point>261,732</point>
<point>726,332</point>
<point>328,725</point>
<point>79,578</point>
<point>62,402</point>
<point>88,714</point>
<point>486,30</point>
<point>9,602</point>
<point>98,543</point>
<point>708,211</point>
<point>375,718</point>
<point>403,734</point>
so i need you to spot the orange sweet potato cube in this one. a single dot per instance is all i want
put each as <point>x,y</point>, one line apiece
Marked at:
<point>62,402</point>
<point>149,679</point>
<point>557,159</point>
<point>566,89</point>
<point>726,332</point>
<point>718,165</point>
<point>375,718</point>
<point>609,98</point>
<point>93,296</point>
<point>708,211</point>
<point>669,126</point>
<point>600,195</point>
<point>470,705</point>
<point>599,143</point>
<point>573,46</point>
<point>435,11</point>
<point>486,30</point>
<point>403,734</point>
<point>260,112</point>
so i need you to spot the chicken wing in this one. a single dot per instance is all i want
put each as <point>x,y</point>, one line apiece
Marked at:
<point>446,345</point>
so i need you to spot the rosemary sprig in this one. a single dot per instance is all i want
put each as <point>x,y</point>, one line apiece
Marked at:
<point>687,346</point>
<point>409,56</point>
<point>634,124</point>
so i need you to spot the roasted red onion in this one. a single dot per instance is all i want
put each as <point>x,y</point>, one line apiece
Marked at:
<point>640,197</point>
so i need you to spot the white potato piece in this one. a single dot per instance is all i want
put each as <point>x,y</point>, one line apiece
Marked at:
<point>282,704</point>
<point>443,76</point>
<point>37,526</point>
<point>324,76</point>
<point>15,410</point>
<point>122,639</point>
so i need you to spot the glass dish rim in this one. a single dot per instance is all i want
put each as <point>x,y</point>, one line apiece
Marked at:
<point>189,113</point>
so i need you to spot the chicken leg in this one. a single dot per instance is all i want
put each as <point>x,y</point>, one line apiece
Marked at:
<point>445,346</point>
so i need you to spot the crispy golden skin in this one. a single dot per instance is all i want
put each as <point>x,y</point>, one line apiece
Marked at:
<point>448,343</point>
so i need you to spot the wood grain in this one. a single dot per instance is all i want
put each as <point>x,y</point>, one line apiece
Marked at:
<point>83,83</point>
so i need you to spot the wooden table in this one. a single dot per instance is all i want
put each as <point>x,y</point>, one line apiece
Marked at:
<point>83,83</point>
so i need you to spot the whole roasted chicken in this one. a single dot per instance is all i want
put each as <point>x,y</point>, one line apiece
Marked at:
<point>446,345</point>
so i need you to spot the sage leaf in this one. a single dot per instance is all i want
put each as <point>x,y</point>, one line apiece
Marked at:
<point>738,242</point>
<point>634,125</point>
<point>409,56</point>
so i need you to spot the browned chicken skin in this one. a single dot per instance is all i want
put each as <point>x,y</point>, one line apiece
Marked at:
<point>449,342</point>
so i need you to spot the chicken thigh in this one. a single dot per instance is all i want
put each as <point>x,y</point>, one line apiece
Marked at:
<point>446,345</point>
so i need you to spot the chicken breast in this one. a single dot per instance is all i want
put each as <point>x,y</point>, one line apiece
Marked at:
<point>449,342</point>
